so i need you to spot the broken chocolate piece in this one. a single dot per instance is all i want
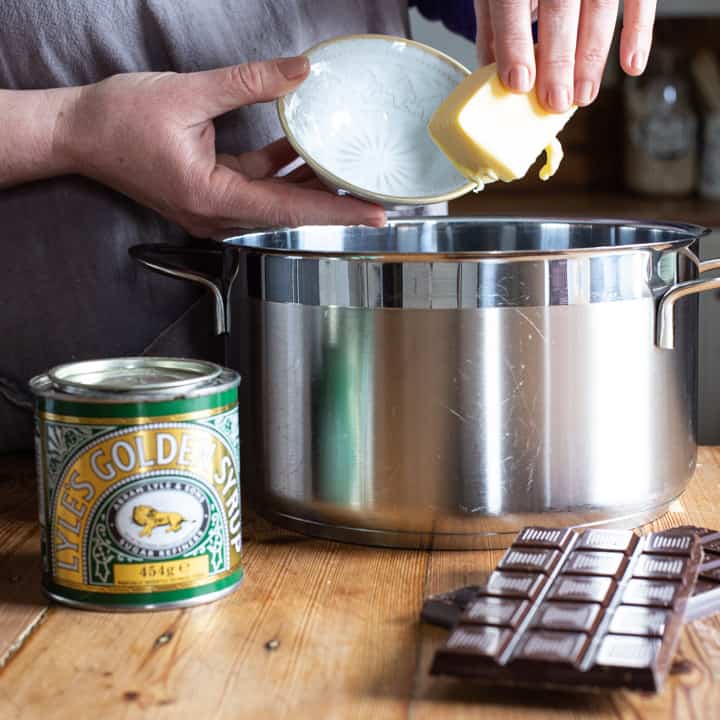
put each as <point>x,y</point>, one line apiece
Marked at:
<point>445,609</point>
<point>705,599</point>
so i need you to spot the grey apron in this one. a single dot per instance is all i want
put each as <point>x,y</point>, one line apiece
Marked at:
<point>68,290</point>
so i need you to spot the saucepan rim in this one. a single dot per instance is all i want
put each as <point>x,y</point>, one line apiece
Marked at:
<point>674,235</point>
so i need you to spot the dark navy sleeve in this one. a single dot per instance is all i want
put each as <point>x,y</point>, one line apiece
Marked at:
<point>456,15</point>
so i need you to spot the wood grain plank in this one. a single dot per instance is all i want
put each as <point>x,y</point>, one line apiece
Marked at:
<point>709,456</point>
<point>343,618</point>
<point>22,604</point>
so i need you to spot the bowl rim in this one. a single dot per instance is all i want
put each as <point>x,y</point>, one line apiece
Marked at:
<point>349,187</point>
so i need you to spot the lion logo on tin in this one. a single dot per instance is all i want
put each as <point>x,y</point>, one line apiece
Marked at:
<point>148,518</point>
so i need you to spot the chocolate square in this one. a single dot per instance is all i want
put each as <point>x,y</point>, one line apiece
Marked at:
<point>502,611</point>
<point>610,540</point>
<point>706,535</point>
<point>579,588</point>
<point>576,617</point>
<point>652,593</point>
<point>584,562</point>
<point>646,621</point>
<point>511,584</point>
<point>628,652</point>
<point>529,560</point>
<point>661,567</point>
<point>680,543</point>
<point>482,640</point>
<point>562,648</point>
<point>554,538</point>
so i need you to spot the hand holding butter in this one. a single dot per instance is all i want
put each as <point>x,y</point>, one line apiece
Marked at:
<point>490,133</point>
<point>370,134</point>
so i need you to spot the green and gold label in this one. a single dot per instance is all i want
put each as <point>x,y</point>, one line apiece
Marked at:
<point>138,510</point>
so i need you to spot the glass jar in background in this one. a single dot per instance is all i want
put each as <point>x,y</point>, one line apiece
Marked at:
<point>710,170</point>
<point>660,129</point>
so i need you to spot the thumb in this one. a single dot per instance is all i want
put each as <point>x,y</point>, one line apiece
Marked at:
<point>216,92</point>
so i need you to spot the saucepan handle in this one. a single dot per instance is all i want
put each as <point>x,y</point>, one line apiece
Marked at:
<point>191,263</point>
<point>666,308</point>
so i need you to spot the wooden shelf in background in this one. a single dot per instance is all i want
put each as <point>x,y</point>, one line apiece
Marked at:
<point>588,204</point>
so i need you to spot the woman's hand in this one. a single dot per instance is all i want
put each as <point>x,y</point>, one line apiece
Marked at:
<point>574,38</point>
<point>151,137</point>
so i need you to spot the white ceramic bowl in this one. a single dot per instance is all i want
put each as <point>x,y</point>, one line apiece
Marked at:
<point>360,119</point>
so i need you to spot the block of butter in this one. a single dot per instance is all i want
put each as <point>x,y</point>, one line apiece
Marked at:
<point>490,133</point>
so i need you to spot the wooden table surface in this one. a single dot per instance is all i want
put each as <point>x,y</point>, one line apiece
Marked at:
<point>317,630</point>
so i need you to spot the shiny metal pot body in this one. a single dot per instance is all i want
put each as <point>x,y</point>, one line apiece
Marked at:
<point>444,383</point>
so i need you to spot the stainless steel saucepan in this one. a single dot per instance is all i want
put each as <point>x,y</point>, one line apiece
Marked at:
<point>441,383</point>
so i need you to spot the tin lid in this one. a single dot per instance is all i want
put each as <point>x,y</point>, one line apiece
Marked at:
<point>132,375</point>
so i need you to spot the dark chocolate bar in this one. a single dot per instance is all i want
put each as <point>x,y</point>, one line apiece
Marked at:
<point>601,608</point>
<point>446,609</point>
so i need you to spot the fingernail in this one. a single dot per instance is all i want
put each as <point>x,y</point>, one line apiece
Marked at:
<point>519,79</point>
<point>584,92</point>
<point>558,98</point>
<point>637,61</point>
<point>293,67</point>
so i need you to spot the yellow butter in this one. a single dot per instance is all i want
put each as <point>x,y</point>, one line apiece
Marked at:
<point>553,157</point>
<point>490,133</point>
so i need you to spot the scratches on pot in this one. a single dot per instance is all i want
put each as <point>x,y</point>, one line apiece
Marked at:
<point>518,381</point>
<point>531,467</point>
<point>525,317</point>
<point>458,415</point>
<point>531,477</point>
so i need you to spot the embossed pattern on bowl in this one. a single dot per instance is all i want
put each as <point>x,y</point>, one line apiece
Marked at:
<point>360,119</point>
